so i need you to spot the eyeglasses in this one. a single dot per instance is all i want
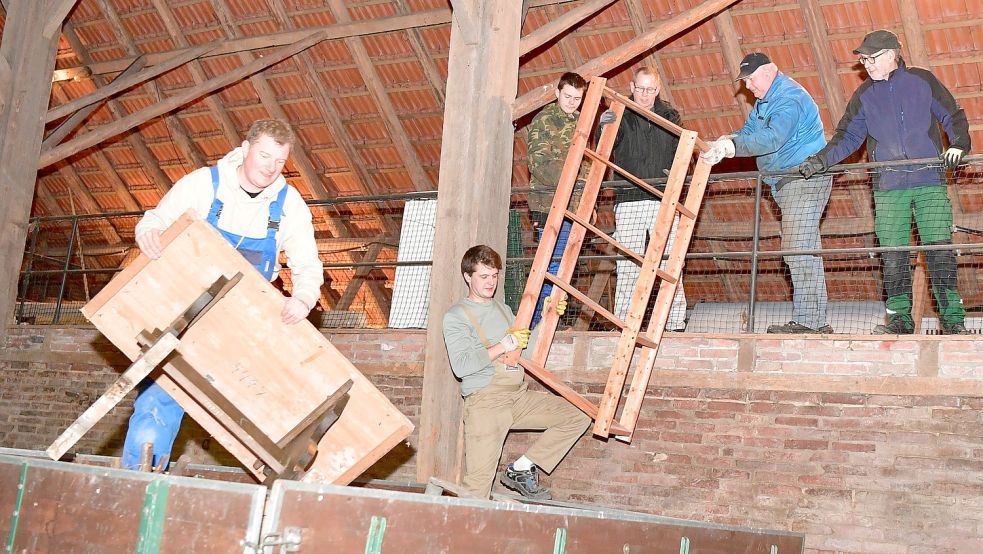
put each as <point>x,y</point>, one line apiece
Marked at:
<point>871,59</point>
<point>646,90</point>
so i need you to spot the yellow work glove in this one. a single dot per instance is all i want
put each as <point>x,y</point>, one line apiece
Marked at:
<point>515,338</point>
<point>561,306</point>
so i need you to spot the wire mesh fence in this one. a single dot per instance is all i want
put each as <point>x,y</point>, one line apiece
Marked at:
<point>829,254</point>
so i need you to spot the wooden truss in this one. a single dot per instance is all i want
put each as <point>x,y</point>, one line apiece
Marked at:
<point>633,337</point>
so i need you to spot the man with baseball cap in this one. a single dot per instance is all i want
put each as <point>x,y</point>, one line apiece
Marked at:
<point>897,111</point>
<point>782,130</point>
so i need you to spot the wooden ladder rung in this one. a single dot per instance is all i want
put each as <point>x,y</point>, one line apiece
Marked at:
<point>683,210</point>
<point>616,96</point>
<point>584,299</point>
<point>613,242</point>
<point>572,396</point>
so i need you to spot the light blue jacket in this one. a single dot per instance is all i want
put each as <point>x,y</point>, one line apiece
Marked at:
<point>782,130</point>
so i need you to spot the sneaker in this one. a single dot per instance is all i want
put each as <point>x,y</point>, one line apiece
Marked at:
<point>525,483</point>
<point>895,326</point>
<point>793,328</point>
<point>957,328</point>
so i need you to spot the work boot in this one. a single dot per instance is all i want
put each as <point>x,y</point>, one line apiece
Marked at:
<point>826,329</point>
<point>525,483</point>
<point>895,326</point>
<point>793,328</point>
<point>955,328</point>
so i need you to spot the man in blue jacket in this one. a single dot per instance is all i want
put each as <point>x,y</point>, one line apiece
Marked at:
<point>897,111</point>
<point>782,130</point>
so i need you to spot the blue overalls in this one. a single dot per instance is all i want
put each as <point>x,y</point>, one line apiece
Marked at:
<point>156,416</point>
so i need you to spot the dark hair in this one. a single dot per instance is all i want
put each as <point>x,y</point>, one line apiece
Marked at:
<point>572,79</point>
<point>480,254</point>
<point>276,129</point>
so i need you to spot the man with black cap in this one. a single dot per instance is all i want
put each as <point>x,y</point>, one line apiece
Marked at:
<point>897,111</point>
<point>782,130</point>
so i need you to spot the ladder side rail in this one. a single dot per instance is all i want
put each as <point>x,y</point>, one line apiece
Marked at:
<point>586,208</point>
<point>646,361</point>
<point>561,199</point>
<point>643,287</point>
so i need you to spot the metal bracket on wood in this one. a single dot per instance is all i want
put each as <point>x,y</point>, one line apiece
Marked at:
<point>288,541</point>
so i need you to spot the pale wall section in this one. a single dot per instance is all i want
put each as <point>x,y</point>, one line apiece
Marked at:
<point>864,445</point>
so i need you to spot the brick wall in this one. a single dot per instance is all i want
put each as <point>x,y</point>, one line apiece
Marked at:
<point>863,445</point>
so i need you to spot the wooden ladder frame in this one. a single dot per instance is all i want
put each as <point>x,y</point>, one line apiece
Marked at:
<point>632,335</point>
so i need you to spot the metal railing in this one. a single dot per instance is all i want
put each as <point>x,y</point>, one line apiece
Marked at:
<point>377,275</point>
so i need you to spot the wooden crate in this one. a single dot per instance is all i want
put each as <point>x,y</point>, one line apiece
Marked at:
<point>276,374</point>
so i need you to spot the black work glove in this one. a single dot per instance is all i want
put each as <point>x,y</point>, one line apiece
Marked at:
<point>811,166</point>
<point>952,157</point>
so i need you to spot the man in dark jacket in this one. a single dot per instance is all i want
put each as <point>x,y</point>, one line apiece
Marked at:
<point>645,150</point>
<point>897,110</point>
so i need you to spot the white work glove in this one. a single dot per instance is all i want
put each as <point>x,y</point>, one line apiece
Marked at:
<point>952,157</point>
<point>515,339</point>
<point>719,149</point>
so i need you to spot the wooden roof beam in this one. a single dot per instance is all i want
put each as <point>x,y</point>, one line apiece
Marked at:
<point>83,112</point>
<point>104,132</point>
<point>198,74</point>
<point>539,96</point>
<point>730,48</point>
<point>637,17</point>
<point>128,80</point>
<point>134,140</point>
<point>819,37</point>
<point>430,70</point>
<point>88,203</point>
<point>421,180</point>
<point>560,25</point>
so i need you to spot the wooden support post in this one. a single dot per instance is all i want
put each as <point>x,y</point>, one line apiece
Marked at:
<point>29,42</point>
<point>472,204</point>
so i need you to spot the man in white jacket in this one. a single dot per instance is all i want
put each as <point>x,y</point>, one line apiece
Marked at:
<point>246,198</point>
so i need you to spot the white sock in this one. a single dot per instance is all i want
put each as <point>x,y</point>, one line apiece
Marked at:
<point>522,464</point>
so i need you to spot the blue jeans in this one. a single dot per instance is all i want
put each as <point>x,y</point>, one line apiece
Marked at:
<point>156,418</point>
<point>554,267</point>
<point>802,203</point>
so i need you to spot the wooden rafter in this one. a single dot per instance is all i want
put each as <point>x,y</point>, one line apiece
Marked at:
<point>730,48</point>
<point>567,48</point>
<point>559,24</point>
<point>330,32</point>
<point>106,131</point>
<point>401,141</point>
<point>539,96</point>
<point>430,69</point>
<point>638,23</point>
<point>84,111</point>
<point>361,273</point>
<point>823,54</point>
<point>88,203</point>
<point>198,74</point>
<point>131,80</point>
<point>150,164</point>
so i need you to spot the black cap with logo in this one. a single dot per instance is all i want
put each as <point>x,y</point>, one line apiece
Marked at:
<point>751,63</point>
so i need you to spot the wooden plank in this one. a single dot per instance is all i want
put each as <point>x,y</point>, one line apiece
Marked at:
<point>623,54</point>
<point>476,144</point>
<point>587,301</point>
<point>274,373</point>
<point>643,286</point>
<point>637,17</point>
<point>607,238</point>
<point>130,378</point>
<point>651,116</point>
<point>100,134</point>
